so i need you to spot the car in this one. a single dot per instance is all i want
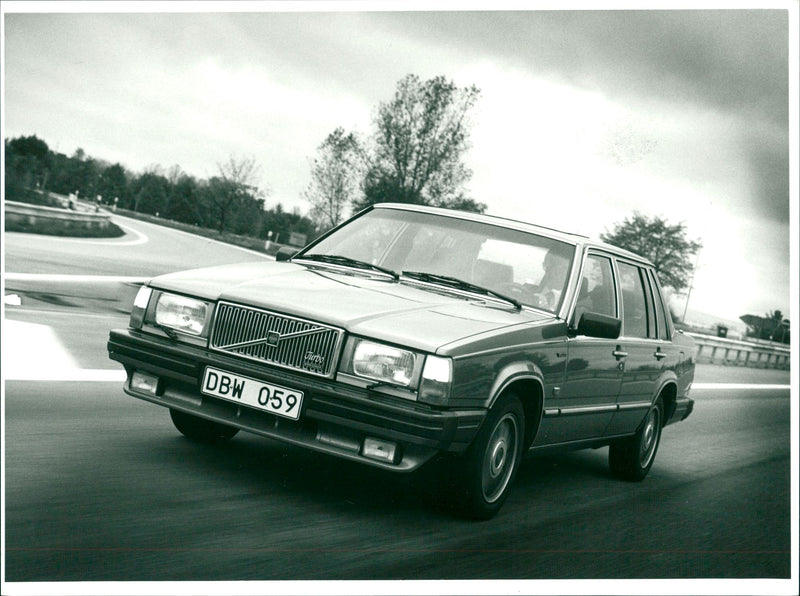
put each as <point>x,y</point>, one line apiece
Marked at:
<point>410,334</point>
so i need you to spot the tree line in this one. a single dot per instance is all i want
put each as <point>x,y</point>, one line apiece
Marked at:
<point>229,201</point>
<point>414,155</point>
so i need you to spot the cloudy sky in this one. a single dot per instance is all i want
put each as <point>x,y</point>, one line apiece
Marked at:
<point>584,116</point>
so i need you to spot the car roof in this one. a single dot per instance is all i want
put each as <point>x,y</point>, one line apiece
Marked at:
<point>570,238</point>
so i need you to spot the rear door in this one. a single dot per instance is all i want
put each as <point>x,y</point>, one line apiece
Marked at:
<point>640,350</point>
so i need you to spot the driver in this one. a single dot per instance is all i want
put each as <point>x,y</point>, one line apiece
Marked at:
<point>556,265</point>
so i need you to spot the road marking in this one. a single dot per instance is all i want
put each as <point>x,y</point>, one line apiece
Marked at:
<point>753,386</point>
<point>12,300</point>
<point>32,352</point>
<point>140,238</point>
<point>196,236</point>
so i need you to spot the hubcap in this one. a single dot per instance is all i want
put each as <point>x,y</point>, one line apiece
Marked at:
<point>499,458</point>
<point>649,437</point>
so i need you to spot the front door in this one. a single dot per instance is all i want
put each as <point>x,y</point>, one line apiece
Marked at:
<point>586,400</point>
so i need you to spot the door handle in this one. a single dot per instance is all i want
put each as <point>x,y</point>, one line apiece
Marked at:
<point>619,353</point>
<point>659,354</point>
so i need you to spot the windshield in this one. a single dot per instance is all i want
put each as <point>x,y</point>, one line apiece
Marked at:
<point>527,267</point>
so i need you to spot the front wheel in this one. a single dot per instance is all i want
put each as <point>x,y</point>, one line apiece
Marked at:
<point>200,429</point>
<point>486,472</point>
<point>632,458</point>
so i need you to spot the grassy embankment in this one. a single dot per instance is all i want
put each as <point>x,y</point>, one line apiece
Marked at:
<point>53,227</point>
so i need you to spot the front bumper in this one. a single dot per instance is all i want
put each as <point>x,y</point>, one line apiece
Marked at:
<point>335,419</point>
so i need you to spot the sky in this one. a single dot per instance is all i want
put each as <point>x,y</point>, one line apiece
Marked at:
<point>584,116</point>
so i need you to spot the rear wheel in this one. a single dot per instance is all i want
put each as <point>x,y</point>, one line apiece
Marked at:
<point>200,429</point>
<point>632,458</point>
<point>486,472</point>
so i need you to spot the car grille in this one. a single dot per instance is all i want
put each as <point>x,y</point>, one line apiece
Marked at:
<point>275,338</point>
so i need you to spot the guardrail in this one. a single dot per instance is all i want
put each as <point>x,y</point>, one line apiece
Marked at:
<point>99,293</point>
<point>20,215</point>
<point>719,350</point>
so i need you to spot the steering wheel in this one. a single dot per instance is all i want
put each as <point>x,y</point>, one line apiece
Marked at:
<point>510,289</point>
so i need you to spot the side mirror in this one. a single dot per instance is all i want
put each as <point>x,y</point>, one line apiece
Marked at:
<point>594,324</point>
<point>285,253</point>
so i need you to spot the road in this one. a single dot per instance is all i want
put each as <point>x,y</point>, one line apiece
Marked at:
<point>145,250</point>
<point>100,486</point>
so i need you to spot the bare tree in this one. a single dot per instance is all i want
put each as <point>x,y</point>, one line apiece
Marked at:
<point>336,177</point>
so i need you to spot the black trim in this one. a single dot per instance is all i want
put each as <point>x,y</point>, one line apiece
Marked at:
<point>327,403</point>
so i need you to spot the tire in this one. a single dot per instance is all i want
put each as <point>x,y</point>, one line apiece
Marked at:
<point>485,474</point>
<point>201,430</point>
<point>632,458</point>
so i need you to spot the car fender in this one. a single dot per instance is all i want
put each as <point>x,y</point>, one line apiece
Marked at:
<point>667,378</point>
<point>525,371</point>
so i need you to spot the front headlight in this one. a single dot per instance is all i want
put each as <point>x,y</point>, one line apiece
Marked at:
<point>383,363</point>
<point>183,314</point>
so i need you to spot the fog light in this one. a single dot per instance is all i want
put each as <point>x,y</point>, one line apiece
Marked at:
<point>144,382</point>
<point>380,450</point>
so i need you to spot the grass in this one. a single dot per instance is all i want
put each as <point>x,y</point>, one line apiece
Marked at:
<point>53,227</point>
<point>58,228</point>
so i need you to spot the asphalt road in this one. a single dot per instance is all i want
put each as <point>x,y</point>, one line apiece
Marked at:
<point>100,486</point>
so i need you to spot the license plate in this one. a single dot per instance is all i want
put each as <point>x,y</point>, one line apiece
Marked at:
<point>252,392</point>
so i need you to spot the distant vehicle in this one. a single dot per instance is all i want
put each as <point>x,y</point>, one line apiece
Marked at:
<point>410,332</point>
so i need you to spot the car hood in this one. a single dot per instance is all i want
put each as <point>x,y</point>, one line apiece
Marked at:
<point>372,306</point>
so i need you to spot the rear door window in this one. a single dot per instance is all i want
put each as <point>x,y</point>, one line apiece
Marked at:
<point>635,313</point>
<point>660,308</point>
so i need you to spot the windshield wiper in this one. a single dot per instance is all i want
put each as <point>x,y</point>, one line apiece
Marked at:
<point>460,284</point>
<point>348,262</point>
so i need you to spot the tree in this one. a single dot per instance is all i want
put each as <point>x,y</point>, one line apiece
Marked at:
<point>150,193</point>
<point>282,223</point>
<point>184,201</point>
<point>336,177</point>
<point>771,326</point>
<point>419,142</point>
<point>81,174</point>
<point>234,185</point>
<point>113,183</point>
<point>664,244</point>
<point>26,162</point>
